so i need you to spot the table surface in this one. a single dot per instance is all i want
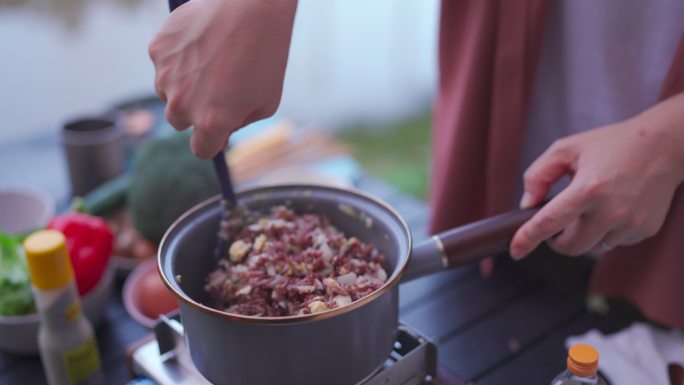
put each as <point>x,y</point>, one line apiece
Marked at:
<point>508,329</point>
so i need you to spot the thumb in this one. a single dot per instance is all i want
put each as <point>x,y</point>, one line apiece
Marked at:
<point>550,166</point>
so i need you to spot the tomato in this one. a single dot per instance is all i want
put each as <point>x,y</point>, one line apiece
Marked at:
<point>154,298</point>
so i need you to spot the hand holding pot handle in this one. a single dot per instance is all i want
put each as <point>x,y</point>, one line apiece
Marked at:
<point>465,244</point>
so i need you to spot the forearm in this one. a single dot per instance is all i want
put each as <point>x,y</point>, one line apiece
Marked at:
<point>272,14</point>
<point>276,14</point>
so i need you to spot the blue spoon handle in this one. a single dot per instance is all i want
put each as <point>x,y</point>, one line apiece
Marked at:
<point>173,4</point>
<point>223,175</point>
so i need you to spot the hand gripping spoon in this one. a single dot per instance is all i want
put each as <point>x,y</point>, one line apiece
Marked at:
<point>228,201</point>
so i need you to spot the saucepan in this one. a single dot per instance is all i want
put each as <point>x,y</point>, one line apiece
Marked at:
<point>341,346</point>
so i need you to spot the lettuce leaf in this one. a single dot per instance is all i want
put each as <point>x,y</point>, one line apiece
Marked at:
<point>16,297</point>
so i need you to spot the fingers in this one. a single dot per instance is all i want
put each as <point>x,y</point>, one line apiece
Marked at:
<point>172,112</point>
<point>206,140</point>
<point>211,126</point>
<point>549,221</point>
<point>630,229</point>
<point>614,238</point>
<point>544,171</point>
<point>206,146</point>
<point>581,235</point>
<point>153,50</point>
<point>610,241</point>
<point>210,135</point>
<point>620,237</point>
<point>159,89</point>
<point>175,119</point>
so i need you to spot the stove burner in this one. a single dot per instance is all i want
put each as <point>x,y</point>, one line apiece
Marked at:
<point>166,360</point>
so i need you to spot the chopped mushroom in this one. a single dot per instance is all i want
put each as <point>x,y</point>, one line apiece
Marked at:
<point>259,242</point>
<point>317,306</point>
<point>238,250</point>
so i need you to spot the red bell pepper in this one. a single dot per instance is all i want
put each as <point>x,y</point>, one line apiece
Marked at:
<point>90,242</point>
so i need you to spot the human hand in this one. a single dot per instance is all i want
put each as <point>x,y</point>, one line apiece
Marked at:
<point>220,65</point>
<point>623,180</point>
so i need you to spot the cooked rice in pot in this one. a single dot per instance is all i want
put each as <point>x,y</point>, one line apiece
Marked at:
<point>285,264</point>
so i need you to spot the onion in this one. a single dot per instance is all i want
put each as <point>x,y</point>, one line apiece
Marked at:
<point>380,274</point>
<point>305,289</point>
<point>245,290</point>
<point>326,252</point>
<point>347,279</point>
<point>342,300</point>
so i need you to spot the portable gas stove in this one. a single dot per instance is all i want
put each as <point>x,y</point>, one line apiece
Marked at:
<point>165,360</point>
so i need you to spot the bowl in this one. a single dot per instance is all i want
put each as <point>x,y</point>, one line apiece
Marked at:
<point>19,334</point>
<point>24,209</point>
<point>131,248</point>
<point>134,293</point>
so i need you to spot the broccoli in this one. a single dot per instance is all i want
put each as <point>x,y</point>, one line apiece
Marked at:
<point>167,181</point>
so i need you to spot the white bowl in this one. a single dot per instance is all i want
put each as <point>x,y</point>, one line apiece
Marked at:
<point>19,334</point>
<point>24,209</point>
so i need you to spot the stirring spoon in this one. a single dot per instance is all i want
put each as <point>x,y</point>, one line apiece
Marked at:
<point>228,202</point>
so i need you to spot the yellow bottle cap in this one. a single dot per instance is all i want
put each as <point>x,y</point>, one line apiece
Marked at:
<point>48,260</point>
<point>583,360</point>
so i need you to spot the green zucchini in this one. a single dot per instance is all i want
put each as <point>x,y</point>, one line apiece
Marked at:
<point>106,197</point>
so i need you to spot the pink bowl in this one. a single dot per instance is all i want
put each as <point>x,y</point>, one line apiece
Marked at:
<point>132,291</point>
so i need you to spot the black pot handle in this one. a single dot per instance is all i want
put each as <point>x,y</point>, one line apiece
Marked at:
<point>466,244</point>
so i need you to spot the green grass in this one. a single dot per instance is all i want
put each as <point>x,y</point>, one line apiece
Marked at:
<point>398,153</point>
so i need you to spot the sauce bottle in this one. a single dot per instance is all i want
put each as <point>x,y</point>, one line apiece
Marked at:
<point>582,367</point>
<point>68,348</point>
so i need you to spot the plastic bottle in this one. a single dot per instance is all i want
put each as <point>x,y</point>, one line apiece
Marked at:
<point>582,367</point>
<point>68,348</point>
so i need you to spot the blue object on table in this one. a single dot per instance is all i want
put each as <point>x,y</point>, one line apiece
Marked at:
<point>343,166</point>
<point>141,381</point>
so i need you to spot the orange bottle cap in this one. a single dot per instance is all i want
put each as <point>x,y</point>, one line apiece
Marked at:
<point>583,360</point>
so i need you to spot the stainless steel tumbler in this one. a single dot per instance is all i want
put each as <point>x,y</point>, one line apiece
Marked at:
<point>94,148</point>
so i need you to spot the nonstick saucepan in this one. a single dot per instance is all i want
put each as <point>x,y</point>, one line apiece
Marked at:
<point>341,346</point>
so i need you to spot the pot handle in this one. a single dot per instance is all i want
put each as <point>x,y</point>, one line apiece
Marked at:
<point>465,244</point>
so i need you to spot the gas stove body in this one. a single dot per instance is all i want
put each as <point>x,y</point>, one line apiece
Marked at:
<point>165,359</point>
